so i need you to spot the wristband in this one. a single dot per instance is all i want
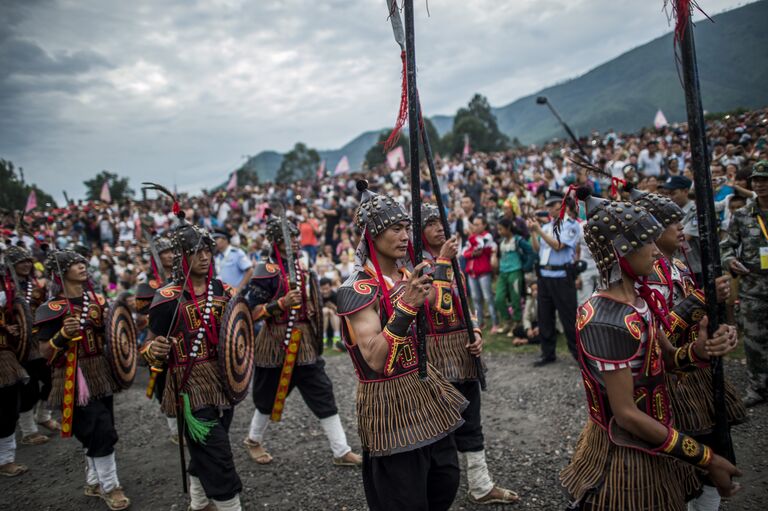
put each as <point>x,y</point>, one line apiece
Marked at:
<point>685,448</point>
<point>396,333</point>
<point>685,358</point>
<point>275,308</point>
<point>60,340</point>
<point>443,271</point>
<point>146,352</point>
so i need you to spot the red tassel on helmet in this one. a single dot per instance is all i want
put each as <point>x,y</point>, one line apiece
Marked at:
<point>402,115</point>
<point>617,182</point>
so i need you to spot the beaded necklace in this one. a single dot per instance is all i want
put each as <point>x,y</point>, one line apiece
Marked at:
<point>206,319</point>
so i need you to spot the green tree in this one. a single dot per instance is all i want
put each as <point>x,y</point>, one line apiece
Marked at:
<point>118,186</point>
<point>477,121</point>
<point>300,163</point>
<point>14,191</point>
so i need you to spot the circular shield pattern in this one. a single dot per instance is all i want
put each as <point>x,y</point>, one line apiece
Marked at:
<point>121,349</point>
<point>22,316</point>
<point>237,345</point>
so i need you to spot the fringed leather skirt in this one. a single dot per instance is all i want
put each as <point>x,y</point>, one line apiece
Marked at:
<point>692,405</point>
<point>448,354</point>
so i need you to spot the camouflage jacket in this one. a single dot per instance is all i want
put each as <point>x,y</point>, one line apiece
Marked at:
<point>743,242</point>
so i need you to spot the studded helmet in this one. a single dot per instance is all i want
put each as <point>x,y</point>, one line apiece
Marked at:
<point>274,231</point>
<point>376,212</point>
<point>429,213</point>
<point>61,260</point>
<point>162,244</point>
<point>615,229</point>
<point>661,207</point>
<point>14,255</point>
<point>187,239</point>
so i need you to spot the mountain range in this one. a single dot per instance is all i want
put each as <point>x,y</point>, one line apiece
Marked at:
<point>623,93</point>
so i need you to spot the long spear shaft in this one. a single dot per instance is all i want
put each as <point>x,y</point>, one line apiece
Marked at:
<point>413,134</point>
<point>565,127</point>
<point>460,290</point>
<point>708,235</point>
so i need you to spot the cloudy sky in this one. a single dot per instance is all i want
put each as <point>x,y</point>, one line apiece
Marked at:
<point>180,90</point>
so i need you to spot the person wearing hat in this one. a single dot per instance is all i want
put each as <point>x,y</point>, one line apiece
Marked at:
<point>630,455</point>
<point>233,266</point>
<point>451,354</point>
<point>678,188</point>
<point>184,327</point>
<point>745,253</point>
<point>286,311</point>
<point>404,422</point>
<point>690,392</point>
<point>556,279</point>
<point>34,409</point>
<point>71,335</point>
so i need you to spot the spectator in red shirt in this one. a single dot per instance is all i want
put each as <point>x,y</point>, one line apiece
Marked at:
<point>309,230</point>
<point>478,251</point>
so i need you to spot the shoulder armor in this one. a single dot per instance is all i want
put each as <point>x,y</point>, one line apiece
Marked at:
<point>266,271</point>
<point>229,291</point>
<point>165,294</point>
<point>50,310</point>
<point>357,293</point>
<point>657,275</point>
<point>145,291</point>
<point>680,265</point>
<point>609,331</point>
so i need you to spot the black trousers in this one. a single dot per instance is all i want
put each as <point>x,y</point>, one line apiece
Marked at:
<point>556,295</point>
<point>213,462</point>
<point>313,383</point>
<point>94,426</point>
<point>469,437</point>
<point>39,385</point>
<point>10,403</point>
<point>424,479</point>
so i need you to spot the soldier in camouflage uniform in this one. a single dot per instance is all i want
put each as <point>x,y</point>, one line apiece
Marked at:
<point>745,253</point>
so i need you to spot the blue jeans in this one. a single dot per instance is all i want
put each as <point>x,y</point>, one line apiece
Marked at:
<point>481,294</point>
<point>311,251</point>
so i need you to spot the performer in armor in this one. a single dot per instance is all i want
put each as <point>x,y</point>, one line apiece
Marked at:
<point>287,312</point>
<point>34,395</point>
<point>690,391</point>
<point>162,269</point>
<point>629,455</point>
<point>12,378</point>
<point>404,423</point>
<point>70,330</point>
<point>451,354</point>
<point>184,321</point>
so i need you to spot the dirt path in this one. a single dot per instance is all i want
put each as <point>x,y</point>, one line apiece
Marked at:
<point>532,418</point>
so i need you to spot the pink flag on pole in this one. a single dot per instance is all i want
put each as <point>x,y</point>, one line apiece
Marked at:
<point>321,170</point>
<point>342,167</point>
<point>660,121</point>
<point>232,182</point>
<point>467,149</point>
<point>31,201</point>
<point>395,158</point>
<point>105,196</point>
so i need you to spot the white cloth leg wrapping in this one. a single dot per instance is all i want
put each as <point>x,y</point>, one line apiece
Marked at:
<point>42,413</point>
<point>709,500</point>
<point>478,478</point>
<point>232,504</point>
<point>106,469</point>
<point>27,423</point>
<point>197,497</point>
<point>8,449</point>
<point>259,424</point>
<point>91,477</point>
<point>336,436</point>
<point>171,421</point>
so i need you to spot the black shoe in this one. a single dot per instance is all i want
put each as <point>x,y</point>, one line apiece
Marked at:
<point>544,361</point>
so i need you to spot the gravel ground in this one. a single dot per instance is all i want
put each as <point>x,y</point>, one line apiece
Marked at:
<point>532,418</point>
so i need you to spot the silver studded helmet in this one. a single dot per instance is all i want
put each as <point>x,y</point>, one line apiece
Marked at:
<point>661,207</point>
<point>615,229</point>
<point>60,261</point>
<point>14,255</point>
<point>162,244</point>
<point>429,213</point>
<point>187,239</point>
<point>274,230</point>
<point>376,212</point>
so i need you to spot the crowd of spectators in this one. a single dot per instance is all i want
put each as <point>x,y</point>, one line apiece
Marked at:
<point>497,203</point>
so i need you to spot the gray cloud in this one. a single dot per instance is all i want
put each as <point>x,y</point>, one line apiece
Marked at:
<point>179,90</point>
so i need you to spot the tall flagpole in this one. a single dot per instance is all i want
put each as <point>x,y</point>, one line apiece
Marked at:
<point>708,222</point>
<point>413,136</point>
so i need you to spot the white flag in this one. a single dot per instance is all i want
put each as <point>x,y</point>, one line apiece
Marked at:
<point>660,121</point>
<point>342,167</point>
